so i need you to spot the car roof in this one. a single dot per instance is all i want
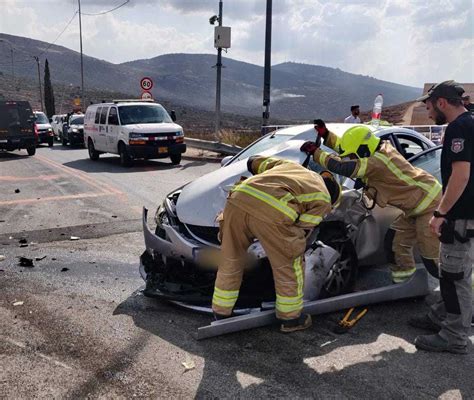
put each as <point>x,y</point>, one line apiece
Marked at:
<point>340,128</point>
<point>125,103</point>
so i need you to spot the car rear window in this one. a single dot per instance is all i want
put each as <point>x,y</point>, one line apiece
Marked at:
<point>13,114</point>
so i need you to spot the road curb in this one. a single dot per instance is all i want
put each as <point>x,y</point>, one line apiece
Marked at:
<point>203,158</point>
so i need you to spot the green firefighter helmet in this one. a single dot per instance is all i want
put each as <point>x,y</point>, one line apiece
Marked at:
<point>358,140</point>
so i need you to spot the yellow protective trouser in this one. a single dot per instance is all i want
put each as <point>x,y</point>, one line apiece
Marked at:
<point>411,231</point>
<point>284,246</point>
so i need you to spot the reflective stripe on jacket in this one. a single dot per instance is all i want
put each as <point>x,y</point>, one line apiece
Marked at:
<point>283,192</point>
<point>395,180</point>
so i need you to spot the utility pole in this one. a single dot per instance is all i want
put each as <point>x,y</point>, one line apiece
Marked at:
<point>267,71</point>
<point>11,53</point>
<point>82,62</point>
<point>218,80</point>
<point>39,81</point>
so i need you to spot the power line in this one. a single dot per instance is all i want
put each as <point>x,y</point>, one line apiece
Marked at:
<point>108,11</point>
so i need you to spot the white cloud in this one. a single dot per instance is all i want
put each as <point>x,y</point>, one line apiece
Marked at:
<point>405,41</point>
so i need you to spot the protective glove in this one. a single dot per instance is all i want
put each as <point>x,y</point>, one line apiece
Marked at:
<point>320,127</point>
<point>310,147</point>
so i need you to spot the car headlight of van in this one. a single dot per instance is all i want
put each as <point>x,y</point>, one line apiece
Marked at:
<point>180,133</point>
<point>75,130</point>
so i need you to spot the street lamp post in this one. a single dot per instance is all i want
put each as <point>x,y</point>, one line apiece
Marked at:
<point>82,61</point>
<point>39,81</point>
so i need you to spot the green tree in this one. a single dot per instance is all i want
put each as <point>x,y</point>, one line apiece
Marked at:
<point>48,92</point>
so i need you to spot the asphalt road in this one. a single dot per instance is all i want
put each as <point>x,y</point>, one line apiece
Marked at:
<point>77,326</point>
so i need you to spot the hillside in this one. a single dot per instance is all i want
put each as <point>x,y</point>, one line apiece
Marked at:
<point>299,91</point>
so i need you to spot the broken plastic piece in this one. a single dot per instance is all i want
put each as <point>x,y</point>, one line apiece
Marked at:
<point>64,269</point>
<point>26,262</point>
<point>188,365</point>
<point>17,190</point>
<point>75,237</point>
<point>18,303</point>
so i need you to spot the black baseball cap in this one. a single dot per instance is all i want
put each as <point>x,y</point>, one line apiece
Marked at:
<point>354,107</point>
<point>446,90</point>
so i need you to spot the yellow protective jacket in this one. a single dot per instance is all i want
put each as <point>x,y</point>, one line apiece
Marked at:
<point>393,179</point>
<point>282,192</point>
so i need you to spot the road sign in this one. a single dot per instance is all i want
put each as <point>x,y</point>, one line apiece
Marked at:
<point>146,83</point>
<point>146,95</point>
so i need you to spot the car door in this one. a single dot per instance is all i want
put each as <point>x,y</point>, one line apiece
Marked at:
<point>429,160</point>
<point>100,122</point>
<point>113,126</point>
<point>409,144</point>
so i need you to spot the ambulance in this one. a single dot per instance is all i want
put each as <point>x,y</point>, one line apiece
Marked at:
<point>133,129</point>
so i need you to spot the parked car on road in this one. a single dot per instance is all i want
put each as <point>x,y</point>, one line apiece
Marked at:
<point>45,131</point>
<point>73,131</point>
<point>175,265</point>
<point>57,124</point>
<point>17,126</point>
<point>133,129</point>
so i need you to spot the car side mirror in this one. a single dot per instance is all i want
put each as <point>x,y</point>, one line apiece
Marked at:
<point>225,160</point>
<point>173,115</point>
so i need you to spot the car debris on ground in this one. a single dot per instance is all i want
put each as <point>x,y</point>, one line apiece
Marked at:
<point>25,262</point>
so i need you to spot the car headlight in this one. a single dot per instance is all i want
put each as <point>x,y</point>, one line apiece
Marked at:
<point>75,130</point>
<point>180,133</point>
<point>50,130</point>
<point>161,216</point>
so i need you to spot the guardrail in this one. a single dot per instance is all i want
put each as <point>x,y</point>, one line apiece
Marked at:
<point>432,132</point>
<point>215,146</point>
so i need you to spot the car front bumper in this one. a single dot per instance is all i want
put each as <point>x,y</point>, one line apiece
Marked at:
<point>156,151</point>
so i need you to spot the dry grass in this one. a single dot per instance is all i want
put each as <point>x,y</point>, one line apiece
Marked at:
<point>237,137</point>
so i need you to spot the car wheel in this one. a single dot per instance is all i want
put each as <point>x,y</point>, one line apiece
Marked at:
<point>51,142</point>
<point>342,275</point>
<point>31,150</point>
<point>175,159</point>
<point>125,159</point>
<point>93,153</point>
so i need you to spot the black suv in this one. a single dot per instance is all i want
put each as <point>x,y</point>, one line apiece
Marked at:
<point>73,130</point>
<point>17,126</point>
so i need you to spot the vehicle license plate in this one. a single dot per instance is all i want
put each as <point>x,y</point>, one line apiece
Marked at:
<point>162,149</point>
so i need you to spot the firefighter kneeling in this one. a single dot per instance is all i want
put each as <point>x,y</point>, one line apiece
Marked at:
<point>277,206</point>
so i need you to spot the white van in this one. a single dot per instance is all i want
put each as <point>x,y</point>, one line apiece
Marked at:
<point>133,129</point>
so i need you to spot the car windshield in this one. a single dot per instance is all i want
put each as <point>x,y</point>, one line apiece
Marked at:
<point>261,145</point>
<point>143,114</point>
<point>430,162</point>
<point>77,120</point>
<point>41,118</point>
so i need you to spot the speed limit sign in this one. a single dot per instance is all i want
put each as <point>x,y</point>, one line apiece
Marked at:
<point>146,83</point>
<point>146,96</point>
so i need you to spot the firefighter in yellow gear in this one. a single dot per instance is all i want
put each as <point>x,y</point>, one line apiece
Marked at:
<point>389,179</point>
<point>277,206</point>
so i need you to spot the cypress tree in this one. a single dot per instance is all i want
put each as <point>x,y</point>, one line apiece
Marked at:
<point>48,92</point>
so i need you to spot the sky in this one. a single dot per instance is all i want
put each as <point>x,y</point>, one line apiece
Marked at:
<point>404,41</point>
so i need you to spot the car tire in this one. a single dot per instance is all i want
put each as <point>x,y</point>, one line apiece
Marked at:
<point>342,276</point>
<point>31,150</point>
<point>126,159</point>
<point>93,153</point>
<point>51,142</point>
<point>175,159</point>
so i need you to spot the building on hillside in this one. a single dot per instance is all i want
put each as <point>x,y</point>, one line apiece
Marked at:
<point>420,115</point>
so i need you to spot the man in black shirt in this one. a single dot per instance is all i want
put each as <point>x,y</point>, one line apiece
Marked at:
<point>453,222</point>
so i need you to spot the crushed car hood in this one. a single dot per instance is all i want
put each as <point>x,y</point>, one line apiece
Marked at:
<point>201,200</point>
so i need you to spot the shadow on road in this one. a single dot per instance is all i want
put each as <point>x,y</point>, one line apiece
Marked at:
<point>112,165</point>
<point>315,363</point>
<point>8,156</point>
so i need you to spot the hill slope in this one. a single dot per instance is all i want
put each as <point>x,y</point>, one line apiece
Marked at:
<point>299,91</point>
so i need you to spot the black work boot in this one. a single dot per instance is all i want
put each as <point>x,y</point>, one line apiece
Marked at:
<point>296,324</point>
<point>438,344</point>
<point>424,322</point>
